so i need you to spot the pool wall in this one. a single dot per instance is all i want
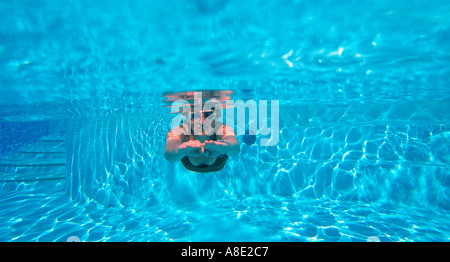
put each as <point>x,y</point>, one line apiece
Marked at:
<point>355,152</point>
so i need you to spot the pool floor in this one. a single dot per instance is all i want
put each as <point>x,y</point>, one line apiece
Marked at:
<point>46,216</point>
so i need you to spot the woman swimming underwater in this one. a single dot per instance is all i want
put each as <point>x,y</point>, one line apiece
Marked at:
<point>198,151</point>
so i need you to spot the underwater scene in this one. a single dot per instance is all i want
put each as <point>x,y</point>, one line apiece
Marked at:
<point>329,121</point>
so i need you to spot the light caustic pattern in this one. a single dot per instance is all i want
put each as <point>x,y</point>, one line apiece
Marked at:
<point>38,217</point>
<point>365,162</point>
<point>364,138</point>
<point>307,188</point>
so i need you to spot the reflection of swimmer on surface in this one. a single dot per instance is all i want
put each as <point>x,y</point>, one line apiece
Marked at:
<point>201,153</point>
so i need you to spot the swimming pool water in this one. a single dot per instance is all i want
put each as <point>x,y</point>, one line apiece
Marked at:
<point>363,147</point>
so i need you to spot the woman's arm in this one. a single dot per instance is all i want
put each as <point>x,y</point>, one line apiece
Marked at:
<point>173,142</point>
<point>230,138</point>
<point>176,149</point>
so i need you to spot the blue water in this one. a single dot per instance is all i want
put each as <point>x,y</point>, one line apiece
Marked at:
<point>364,139</point>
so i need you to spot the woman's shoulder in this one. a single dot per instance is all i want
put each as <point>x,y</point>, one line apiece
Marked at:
<point>181,130</point>
<point>228,131</point>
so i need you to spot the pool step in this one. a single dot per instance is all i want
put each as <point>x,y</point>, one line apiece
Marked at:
<point>53,140</point>
<point>41,149</point>
<point>24,162</point>
<point>43,161</point>
<point>31,177</point>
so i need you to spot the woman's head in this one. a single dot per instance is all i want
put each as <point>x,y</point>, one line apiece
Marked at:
<point>204,123</point>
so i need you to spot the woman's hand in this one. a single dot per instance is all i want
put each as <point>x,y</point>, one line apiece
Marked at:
<point>191,148</point>
<point>215,148</point>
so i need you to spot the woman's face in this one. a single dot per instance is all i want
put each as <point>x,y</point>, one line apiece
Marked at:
<point>198,129</point>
